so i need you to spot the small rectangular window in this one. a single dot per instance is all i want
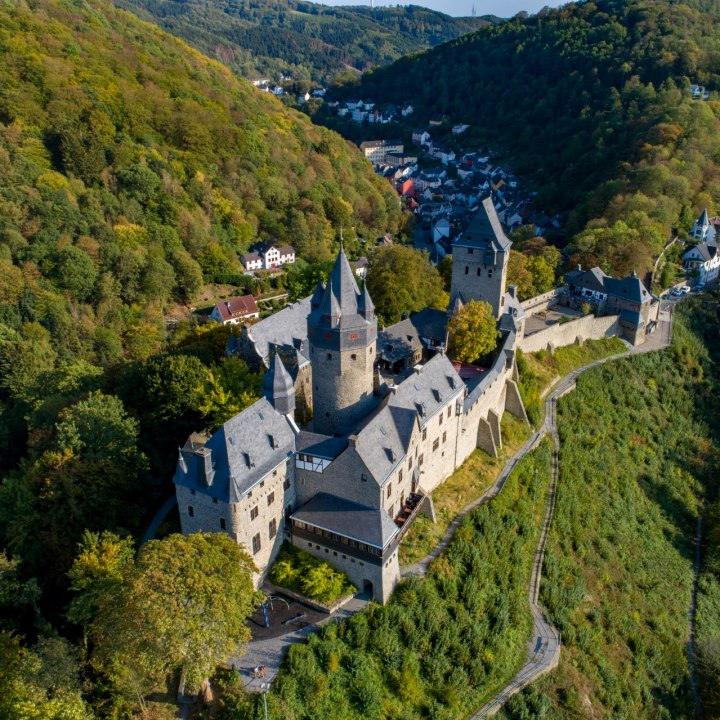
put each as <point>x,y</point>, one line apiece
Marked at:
<point>449,410</point>
<point>363,477</point>
<point>256,543</point>
<point>214,501</point>
<point>400,476</point>
<point>254,513</point>
<point>271,498</point>
<point>436,445</point>
<point>329,356</point>
<point>445,437</point>
<point>223,525</point>
<point>478,272</point>
<point>470,251</point>
<point>421,459</point>
<point>409,463</point>
<point>467,269</point>
<point>286,484</point>
<point>425,434</point>
<point>272,529</point>
<point>192,492</point>
<point>191,511</point>
<point>389,489</point>
<point>441,419</point>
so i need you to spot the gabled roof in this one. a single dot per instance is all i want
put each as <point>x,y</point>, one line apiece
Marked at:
<point>237,307</point>
<point>707,251</point>
<point>243,451</point>
<point>629,288</point>
<point>349,519</point>
<point>593,279</point>
<point>485,230</point>
<point>398,341</point>
<point>385,440</point>
<point>287,328</point>
<point>428,389</point>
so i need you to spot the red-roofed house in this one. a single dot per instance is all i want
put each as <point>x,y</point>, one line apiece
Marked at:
<point>235,310</point>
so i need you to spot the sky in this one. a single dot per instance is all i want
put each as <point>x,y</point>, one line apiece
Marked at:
<point>502,8</point>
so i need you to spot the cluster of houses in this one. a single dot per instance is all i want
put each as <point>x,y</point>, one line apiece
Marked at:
<point>268,256</point>
<point>363,111</point>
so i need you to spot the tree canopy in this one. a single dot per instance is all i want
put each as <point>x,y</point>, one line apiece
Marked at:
<point>473,332</point>
<point>401,280</point>
<point>182,605</point>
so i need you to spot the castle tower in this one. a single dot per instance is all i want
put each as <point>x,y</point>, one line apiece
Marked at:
<point>480,259</point>
<point>342,332</point>
<point>279,388</point>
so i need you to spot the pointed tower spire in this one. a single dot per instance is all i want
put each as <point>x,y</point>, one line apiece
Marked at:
<point>330,309</point>
<point>365,306</point>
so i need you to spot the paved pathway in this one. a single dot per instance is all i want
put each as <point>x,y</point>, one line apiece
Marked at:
<point>271,652</point>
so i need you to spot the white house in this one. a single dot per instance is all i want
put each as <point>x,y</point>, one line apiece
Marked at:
<point>274,256</point>
<point>252,261</point>
<point>407,110</point>
<point>704,258</point>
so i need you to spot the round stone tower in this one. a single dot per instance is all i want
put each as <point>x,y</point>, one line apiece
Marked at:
<point>342,333</point>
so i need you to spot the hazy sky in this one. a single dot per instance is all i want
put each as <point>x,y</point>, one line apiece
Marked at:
<point>503,8</point>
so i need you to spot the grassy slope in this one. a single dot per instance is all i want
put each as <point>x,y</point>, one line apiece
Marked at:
<point>443,644</point>
<point>636,458</point>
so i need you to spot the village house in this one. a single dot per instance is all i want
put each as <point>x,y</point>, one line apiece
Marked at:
<point>236,310</point>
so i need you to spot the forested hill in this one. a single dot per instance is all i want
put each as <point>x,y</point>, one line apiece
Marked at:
<point>135,162</point>
<point>303,39</point>
<point>593,101</point>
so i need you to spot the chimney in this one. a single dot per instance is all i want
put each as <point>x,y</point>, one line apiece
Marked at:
<point>512,291</point>
<point>353,441</point>
<point>579,267</point>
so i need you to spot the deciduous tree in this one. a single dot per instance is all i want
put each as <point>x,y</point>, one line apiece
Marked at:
<point>473,332</point>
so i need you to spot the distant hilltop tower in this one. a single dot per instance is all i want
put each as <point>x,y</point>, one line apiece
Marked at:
<point>342,333</point>
<point>479,261</point>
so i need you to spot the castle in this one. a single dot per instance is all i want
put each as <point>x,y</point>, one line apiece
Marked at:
<point>384,432</point>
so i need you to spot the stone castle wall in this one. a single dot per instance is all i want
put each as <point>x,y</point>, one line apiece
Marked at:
<point>575,331</point>
<point>542,302</point>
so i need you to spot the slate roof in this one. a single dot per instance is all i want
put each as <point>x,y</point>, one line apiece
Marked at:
<point>342,304</point>
<point>322,446</point>
<point>485,230</point>
<point>629,288</point>
<point>398,341</point>
<point>593,279</point>
<point>349,519</point>
<point>706,250</point>
<point>285,328</point>
<point>237,307</point>
<point>427,390</point>
<point>430,323</point>
<point>243,451</point>
<point>277,382</point>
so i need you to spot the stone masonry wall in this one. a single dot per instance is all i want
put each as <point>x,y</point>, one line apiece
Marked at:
<point>542,302</point>
<point>383,577</point>
<point>584,328</point>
